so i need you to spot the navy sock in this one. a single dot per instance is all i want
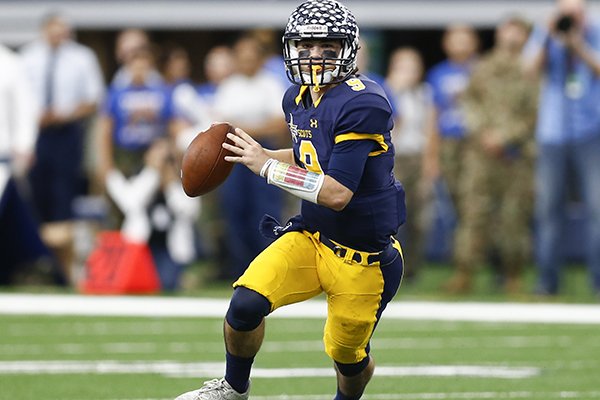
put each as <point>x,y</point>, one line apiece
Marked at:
<point>342,396</point>
<point>237,372</point>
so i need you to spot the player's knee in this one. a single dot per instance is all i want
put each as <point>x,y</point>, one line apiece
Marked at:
<point>247,309</point>
<point>346,355</point>
<point>353,369</point>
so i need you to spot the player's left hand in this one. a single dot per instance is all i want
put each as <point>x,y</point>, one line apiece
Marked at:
<point>248,151</point>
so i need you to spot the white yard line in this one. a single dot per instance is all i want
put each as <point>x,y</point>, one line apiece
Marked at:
<point>84,327</point>
<point>293,346</point>
<point>146,327</point>
<point>578,395</point>
<point>150,306</point>
<point>186,370</point>
<point>450,396</point>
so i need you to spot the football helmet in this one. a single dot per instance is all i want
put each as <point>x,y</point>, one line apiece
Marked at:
<point>325,20</point>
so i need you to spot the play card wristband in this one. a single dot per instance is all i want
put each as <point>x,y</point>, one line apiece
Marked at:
<point>293,179</point>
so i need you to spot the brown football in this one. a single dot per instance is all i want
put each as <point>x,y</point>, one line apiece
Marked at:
<point>204,167</point>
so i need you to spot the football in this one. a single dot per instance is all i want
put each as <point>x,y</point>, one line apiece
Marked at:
<point>203,167</point>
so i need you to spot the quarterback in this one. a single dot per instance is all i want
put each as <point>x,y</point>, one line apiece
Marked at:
<point>342,243</point>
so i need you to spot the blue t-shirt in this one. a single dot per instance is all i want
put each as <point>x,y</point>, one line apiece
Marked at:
<point>448,80</point>
<point>348,129</point>
<point>140,114</point>
<point>569,105</point>
<point>207,92</point>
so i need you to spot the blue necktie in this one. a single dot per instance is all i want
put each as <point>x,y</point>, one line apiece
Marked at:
<point>52,56</point>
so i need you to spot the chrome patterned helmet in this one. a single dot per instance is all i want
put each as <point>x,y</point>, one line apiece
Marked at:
<point>324,20</point>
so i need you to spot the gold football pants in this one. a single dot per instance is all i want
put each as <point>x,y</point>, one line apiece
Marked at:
<point>297,267</point>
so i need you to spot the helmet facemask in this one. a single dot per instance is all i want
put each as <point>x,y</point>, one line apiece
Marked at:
<point>320,20</point>
<point>332,67</point>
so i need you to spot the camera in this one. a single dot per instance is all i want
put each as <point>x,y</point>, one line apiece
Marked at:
<point>565,23</point>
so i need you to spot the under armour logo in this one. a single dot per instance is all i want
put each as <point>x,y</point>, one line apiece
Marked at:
<point>314,123</point>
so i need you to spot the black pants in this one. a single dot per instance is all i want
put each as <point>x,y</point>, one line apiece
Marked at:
<point>56,177</point>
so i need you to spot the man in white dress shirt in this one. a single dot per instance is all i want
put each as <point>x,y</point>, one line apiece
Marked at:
<point>68,84</point>
<point>19,238</point>
<point>18,116</point>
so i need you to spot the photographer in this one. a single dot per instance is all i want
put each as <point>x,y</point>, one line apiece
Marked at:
<point>566,54</point>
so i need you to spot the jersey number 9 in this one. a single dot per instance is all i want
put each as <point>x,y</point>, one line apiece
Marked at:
<point>309,157</point>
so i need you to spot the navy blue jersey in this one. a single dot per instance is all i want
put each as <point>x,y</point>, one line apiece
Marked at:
<point>351,125</point>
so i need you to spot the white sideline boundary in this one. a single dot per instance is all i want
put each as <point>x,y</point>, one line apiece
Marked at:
<point>199,370</point>
<point>448,396</point>
<point>440,396</point>
<point>156,306</point>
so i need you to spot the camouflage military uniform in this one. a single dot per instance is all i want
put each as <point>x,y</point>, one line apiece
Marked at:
<point>407,169</point>
<point>496,188</point>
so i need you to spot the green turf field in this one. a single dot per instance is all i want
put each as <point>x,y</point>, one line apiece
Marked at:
<point>127,358</point>
<point>93,358</point>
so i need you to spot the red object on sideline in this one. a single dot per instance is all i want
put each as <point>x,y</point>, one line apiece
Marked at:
<point>119,266</point>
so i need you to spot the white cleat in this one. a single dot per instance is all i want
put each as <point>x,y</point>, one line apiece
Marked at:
<point>216,389</point>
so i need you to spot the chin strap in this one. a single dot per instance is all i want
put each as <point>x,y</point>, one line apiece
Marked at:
<point>293,179</point>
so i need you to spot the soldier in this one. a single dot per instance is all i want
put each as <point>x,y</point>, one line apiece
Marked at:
<point>442,155</point>
<point>496,184</point>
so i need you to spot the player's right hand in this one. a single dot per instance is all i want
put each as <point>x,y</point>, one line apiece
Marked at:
<point>248,151</point>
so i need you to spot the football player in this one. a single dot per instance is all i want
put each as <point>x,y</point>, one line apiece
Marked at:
<point>341,167</point>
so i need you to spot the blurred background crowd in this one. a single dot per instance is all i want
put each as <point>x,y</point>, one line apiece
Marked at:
<point>497,141</point>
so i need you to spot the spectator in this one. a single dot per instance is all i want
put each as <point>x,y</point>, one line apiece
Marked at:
<point>218,66</point>
<point>444,147</point>
<point>68,84</point>
<point>128,42</point>
<point>251,100</point>
<point>20,243</point>
<point>565,54</point>
<point>414,102</point>
<point>18,115</point>
<point>157,212</point>
<point>194,107</point>
<point>138,165</point>
<point>132,118</point>
<point>175,65</point>
<point>496,182</point>
<point>274,62</point>
<point>448,80</point>
<point>191,112</point>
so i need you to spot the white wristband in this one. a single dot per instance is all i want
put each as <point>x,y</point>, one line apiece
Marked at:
<point>265,167</point>
<point>295,180</point>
